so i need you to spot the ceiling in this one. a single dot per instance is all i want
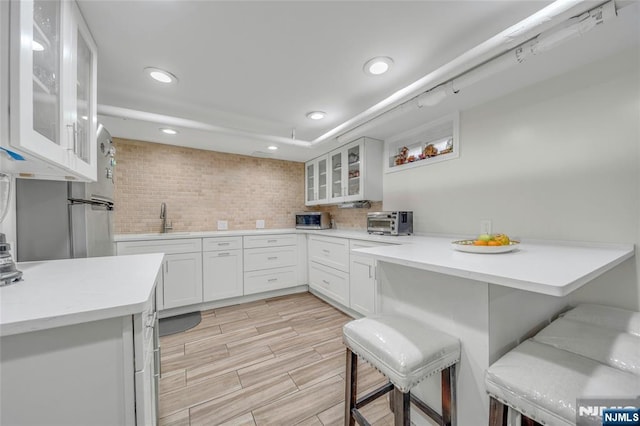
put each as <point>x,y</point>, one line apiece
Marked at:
<point>259,67</point>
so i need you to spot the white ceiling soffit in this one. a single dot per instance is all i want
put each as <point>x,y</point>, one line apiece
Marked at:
<point>542,21</point>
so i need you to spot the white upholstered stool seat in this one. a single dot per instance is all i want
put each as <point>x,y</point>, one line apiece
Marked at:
<point>406,352</point>
<point>586,353</point>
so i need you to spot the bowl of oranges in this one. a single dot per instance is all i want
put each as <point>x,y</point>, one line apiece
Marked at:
<point>487,243</point>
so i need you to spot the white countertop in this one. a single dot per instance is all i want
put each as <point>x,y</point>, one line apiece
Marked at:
<point>71,291</point>
<point>552,268</point>
<point>201,234</point>
<point>341,233</point>
<point>547,267</point>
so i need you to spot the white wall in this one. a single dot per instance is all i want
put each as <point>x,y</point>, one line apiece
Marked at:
<point>558,160</point>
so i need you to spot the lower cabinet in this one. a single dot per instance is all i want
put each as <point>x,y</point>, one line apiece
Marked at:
<point>97,372</point>
<point>270,262</point>
<point>362,279</point>
<point>338,273</point>
<point>182,284</point>
<point>270,279</point>
<point>222,268</point>
<point>331,282</point>
<point>329,267</point>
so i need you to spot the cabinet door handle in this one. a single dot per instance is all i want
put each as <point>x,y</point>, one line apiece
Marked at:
<point>369,266</point>
<point>326,251</point>
<point>223,244</point>
<point>270,280</point>
<point>272,258</point>
<point>326,282</point>
<point>224,253</point>
<point>74,132</point>
<point>272,241</point>
<point>166,266</point>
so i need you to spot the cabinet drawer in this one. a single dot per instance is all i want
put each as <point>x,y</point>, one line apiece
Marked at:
<point>271,279</point>
<point>330,282</point>
<point>183,245</point>
<point>358,244</point>
<point>221,243</point>
<point>269,258</point>
<point>333,252</point>
<point>277,240</point>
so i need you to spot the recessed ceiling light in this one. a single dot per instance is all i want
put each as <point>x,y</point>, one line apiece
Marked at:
<point>316,115</point>
<point>36,47</point>
<point>377,66</point>
<point>272,147</point>
<point>169,131</point>
<point>161,75</point>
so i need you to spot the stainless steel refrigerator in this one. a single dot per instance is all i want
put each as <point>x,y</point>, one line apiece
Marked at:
<point>60,220</point>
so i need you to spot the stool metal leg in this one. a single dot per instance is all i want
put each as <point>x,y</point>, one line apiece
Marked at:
<point>497,413</point>
<point>526,421</point>
<point>401,407</point>
<point>351,384</point>
<point>449,396</point>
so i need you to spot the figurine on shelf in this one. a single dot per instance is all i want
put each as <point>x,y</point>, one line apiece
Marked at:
<point>402,157</point>
<point>430,150</point>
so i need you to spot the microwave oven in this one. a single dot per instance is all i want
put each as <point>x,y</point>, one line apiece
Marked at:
<point>313,220</point>
<point>390,223</point>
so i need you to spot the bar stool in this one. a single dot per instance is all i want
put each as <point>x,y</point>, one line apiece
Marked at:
<point>589,352</point>
<point>406,352</point>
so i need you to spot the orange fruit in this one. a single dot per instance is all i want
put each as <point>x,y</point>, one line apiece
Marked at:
<point>479,243</point>
<point>493,243</point>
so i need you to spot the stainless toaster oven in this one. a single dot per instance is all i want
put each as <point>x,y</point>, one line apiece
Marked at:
<point>390,223</point>
<point>313,220</point>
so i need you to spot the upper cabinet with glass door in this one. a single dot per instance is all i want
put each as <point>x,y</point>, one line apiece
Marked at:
<point>316,181</point>
<point>53,101</point>
<point>350,173</point>
<point>356,171</point>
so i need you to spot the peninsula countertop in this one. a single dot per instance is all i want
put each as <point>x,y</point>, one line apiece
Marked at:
<point>546,267</point>
<point>56,293</point>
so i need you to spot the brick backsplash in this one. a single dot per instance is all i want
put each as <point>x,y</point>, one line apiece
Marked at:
<point>201,187</point>
<point>349,218</point>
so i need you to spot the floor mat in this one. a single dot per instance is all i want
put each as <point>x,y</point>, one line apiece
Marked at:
<point>179,323</point>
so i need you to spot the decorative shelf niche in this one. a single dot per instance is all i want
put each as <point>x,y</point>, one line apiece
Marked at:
<point>430,143</point>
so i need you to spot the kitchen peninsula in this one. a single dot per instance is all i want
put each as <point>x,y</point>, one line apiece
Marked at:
<point>78,342</point>
<point>490,302</point>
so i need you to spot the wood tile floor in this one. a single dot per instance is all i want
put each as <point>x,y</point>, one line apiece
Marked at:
<point>278,361</point>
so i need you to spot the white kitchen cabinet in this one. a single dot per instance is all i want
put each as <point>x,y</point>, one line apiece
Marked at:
<point>331,282</point>
<point>329,251</point>
<point>329,267</point>
<point>355,172</point>
<point>182,284</point>
<point>97,372</point>
<point>270,262</point>
<point>316,181</point>
<point>270,240</point>
<point>269,257</point>
<point>363,289</point>
<point>53,73</point>
<point>181,269</point>
<point>222,271</point>
<point>269,279</point>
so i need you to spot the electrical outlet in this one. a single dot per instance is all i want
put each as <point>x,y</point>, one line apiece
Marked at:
<point>260,224</point>
<point>485,226</point>
<point>223,225</point>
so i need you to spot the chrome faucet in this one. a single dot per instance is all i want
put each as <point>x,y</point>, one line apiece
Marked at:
<point>163,216</point>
